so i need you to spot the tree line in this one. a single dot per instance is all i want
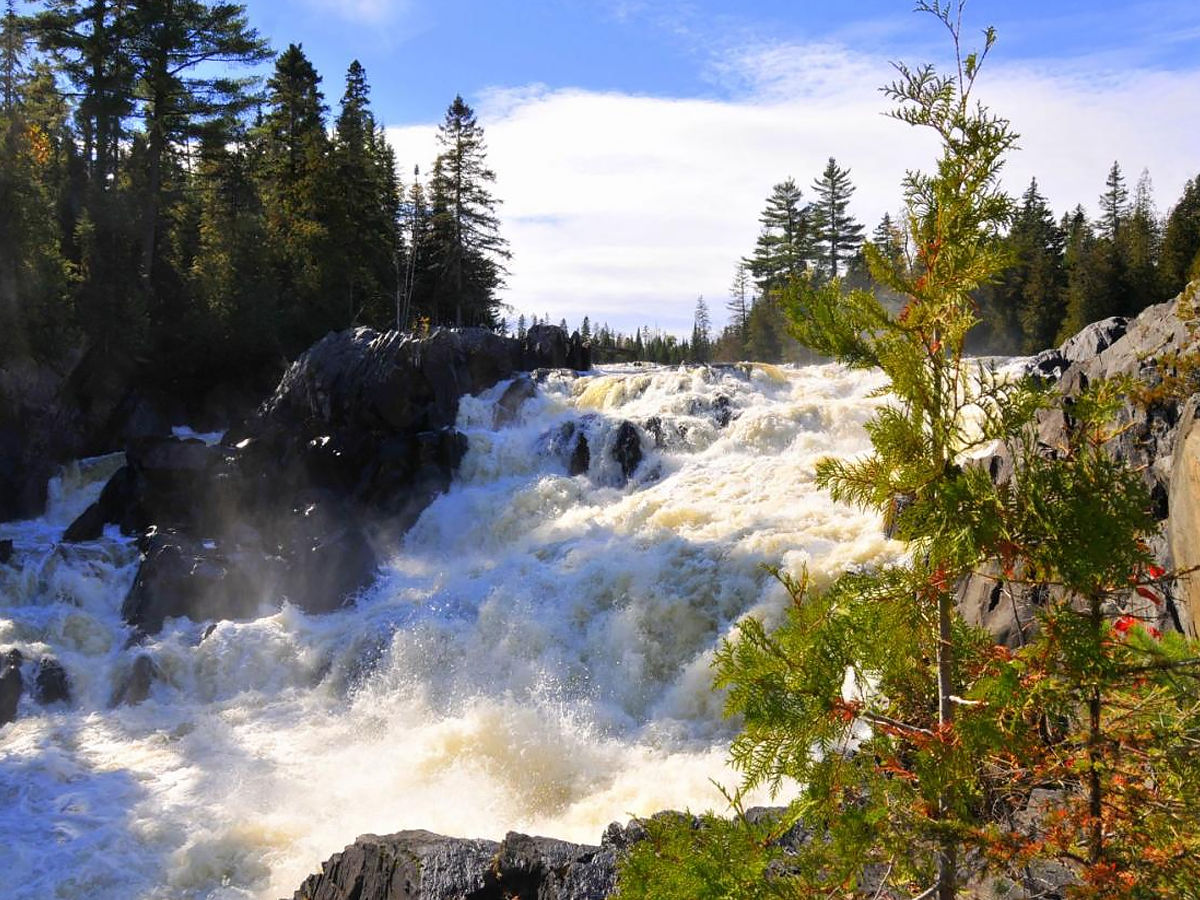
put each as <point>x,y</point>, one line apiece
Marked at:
<point>210,223</point>
<point>1062,273</point>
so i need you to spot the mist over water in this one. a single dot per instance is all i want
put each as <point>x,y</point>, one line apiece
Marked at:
<point>534,655</point>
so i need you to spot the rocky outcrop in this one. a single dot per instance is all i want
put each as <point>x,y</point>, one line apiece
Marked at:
<point>419,865</point>
<point>1156,438</point>
<point>356,440</point>
<point>85,404</point>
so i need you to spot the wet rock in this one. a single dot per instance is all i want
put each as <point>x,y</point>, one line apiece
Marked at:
<point>570,444</point>
<point>180,577</point>
<point>51,684</point>
<point>134,687</point>
<point>355,442</point>
<point>627,448</point>
<point>6,551</point>
<point>513,398</point>
<point>11,685</point>
<point>88,526</point>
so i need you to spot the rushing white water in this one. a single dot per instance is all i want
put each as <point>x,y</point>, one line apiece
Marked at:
<point>535,656</point>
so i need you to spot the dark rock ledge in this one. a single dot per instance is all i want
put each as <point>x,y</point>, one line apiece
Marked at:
<point>356,441</point>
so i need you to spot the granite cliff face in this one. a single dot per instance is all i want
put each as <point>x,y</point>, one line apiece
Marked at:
<point>1157,437</point>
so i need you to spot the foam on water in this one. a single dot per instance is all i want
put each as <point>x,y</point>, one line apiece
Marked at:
<point>534,656</point>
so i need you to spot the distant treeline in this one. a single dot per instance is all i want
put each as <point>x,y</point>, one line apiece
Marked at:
<point>210,228</point>
<point>213,225</point>
<point>1064,272</point>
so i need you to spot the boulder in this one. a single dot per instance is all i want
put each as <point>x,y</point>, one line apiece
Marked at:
<point>6,551</point>
<point>134,687</point>
<point>419,865</point>
<point>51,684</point>
<point>1093,339</point>
<point>356,440</point>
<point>11,685</point>
<point>626,448</point>
<point>547,346</point>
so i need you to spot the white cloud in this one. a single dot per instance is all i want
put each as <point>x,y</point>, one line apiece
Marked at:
<point>625,208</point>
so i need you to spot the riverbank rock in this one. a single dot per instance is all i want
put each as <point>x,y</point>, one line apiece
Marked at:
<point>420,865</point>
<point>1156,438</point>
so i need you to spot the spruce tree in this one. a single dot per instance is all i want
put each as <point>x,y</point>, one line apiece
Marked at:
<point>835,232</point>
<point>1092,284</point>
<point>1138,249</point>
<point>701,344</point>
<point>366,211</point>
<point>294,176</point>
<point>1114,203</point>
<point>741,298</point>
<point>467,251</point>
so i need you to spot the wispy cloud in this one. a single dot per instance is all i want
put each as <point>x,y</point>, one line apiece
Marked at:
<point>625,208</point>
<point>367,12</point>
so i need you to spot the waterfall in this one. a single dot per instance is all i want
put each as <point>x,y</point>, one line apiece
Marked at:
<point>534,655</point>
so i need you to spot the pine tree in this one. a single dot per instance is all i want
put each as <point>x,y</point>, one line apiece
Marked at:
<point>92,43</point>
<point>784,245</point>
<point>468,253</point>
<point>834,230</point>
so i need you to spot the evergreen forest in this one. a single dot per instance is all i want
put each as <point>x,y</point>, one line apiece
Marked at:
<point>211,227</point>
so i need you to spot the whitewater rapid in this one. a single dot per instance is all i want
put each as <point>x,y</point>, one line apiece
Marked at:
<point>534,656</point>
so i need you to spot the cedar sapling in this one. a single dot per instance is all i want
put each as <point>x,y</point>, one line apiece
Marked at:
<point>913,742</point>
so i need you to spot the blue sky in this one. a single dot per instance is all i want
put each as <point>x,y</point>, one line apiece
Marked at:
<point>634,141</point>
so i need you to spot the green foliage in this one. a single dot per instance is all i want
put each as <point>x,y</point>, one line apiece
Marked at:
<point>705,858</point>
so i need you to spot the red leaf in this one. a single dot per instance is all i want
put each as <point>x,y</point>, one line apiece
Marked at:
<point>1149,595</point>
